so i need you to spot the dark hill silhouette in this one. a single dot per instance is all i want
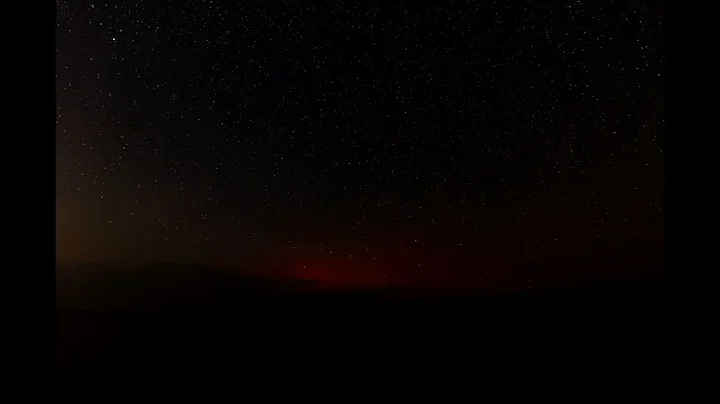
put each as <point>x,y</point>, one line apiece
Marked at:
<point>169,316</point>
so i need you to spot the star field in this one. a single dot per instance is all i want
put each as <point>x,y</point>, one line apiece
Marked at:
<point>383,139</point>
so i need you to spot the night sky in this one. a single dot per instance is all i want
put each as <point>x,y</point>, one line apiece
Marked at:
<point>360,142</point>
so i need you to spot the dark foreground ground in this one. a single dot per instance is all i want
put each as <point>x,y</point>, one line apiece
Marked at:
<point>178,320</point>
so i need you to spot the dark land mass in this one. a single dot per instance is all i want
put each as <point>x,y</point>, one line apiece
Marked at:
<point>171,316</point>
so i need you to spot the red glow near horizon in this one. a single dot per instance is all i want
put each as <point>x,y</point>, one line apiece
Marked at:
<point>329,275</point>
<point>336,274</point>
